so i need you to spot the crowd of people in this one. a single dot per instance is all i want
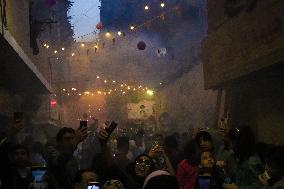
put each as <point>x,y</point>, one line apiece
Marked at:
<point>221,160</point>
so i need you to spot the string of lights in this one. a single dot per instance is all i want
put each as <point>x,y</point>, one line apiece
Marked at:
<point>111,86</point>
<point>120,33</point>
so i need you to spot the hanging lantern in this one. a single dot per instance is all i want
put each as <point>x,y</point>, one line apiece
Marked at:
<point>141,45</point>
<point>50,2</point>
<point>161,52</point>
<point>99,26</point>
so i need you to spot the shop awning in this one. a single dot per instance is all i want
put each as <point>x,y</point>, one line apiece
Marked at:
<point>17,72</point>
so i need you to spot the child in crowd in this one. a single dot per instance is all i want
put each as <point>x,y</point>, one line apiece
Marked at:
<point>208,176</point>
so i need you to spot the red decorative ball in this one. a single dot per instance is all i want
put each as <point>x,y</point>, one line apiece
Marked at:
<point>99,26</point>
<point>141,45</point>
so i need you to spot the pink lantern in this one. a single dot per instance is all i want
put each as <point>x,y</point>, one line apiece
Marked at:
<point>99,26</point>
<point>141,45</point>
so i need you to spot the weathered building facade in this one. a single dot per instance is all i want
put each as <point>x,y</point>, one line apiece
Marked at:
<point>25,68</point>
<point>243,56</point>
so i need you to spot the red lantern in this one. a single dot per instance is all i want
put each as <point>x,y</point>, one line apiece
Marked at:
<point>141,45</point>
<point>99,26</point>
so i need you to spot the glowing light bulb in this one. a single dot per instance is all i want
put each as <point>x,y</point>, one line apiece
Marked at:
<point>63,89</point>
<point>121,85</point>
<point>105,81</point>
<point>63,48</point>
<point>74,89</point>
<point>96,46</point>
<point>161,83</point>
<point>87,92</point>
<point>113,81</point>
<point>132,27</point>
<point>98,77</point>
<point>150,92</point>
<point>55,51</point>
<point>80,94</point>
<point>68,94</point>
<point>119,33</point>
<point>162,5</point>
<point>82,45</point>
<point>107,34</point>
<point>99,92</point>
<point>146,7</point>
<point>45,45</point>
<point>128,88</point>
<point>73,54</point>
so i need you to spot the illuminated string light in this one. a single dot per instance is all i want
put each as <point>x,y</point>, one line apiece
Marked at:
<point>128,88</point>
<point>87,92</point>
<point>55,51</point>
<point>82,45</point>
<point>108,34</point>
<point>132,27</point>
<point>63,89</point>
<point>73,89</point>
<point>68,94</point>
<point>73,54</point>
<point>150,92</point>
<point>105,81</point>
<point>99,92</point>
<point>45,45</point>
<point>98,77</point>
<point>63,48</point>
<point>113,81</point>
<point>119,33</point>
<point>162,5</point>
<point>80,94</point>
<point>146,7</point>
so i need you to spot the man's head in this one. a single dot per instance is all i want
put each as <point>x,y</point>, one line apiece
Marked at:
<point>20,155</point>
<point>65,137</point>
<point>123,144</point>
<point>204,141</point>
<point>83,177</point>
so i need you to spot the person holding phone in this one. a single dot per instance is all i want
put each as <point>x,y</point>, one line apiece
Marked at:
<point>63,165</point>
<point>84,178</point>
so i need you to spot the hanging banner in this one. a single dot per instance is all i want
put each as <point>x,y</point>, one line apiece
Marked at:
<point>141,110</point>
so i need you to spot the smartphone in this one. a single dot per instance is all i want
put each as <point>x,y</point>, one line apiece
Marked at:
<point>93,185</point>
<point>38,174</point>
<point>111,127</point>
<point>83,124</point>
<point>204,182</point>
<point>18,116</point>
